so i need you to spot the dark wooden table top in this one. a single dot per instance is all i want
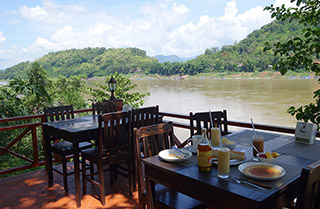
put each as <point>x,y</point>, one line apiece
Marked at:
<point>73,126</point>
<point>225,193</point>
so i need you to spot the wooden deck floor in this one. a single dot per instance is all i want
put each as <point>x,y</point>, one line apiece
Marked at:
<point>30,190</point>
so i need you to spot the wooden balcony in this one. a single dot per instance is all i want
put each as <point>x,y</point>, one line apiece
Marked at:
<point>30,190</point>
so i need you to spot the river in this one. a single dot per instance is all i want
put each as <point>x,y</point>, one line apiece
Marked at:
<point>264,100</point>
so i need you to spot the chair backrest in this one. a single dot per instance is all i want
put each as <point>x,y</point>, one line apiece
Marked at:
<point>58,113</point>
<point>103,107</point>
<point>202,120</point>
<point>149,141</point>
<point>309,192</point>
<point>119,103</point>
<point>114,133</point>
<point>145,116</point>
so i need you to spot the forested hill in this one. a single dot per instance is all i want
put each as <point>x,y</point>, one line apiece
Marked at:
<point>248,54</point>
<point>89,62</point>
<point>245,56</point>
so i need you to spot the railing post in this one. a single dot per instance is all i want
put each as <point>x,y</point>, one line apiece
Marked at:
<point>35,147</point>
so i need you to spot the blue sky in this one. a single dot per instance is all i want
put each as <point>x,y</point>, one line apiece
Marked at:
<point>30,29</point>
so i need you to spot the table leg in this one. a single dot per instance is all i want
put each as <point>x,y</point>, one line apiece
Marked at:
<point>48,158</point>
<point>150,193</point>
<point>77,172</point>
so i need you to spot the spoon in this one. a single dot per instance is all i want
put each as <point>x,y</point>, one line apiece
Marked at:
<point>258,153</point>
<point>184,154</point>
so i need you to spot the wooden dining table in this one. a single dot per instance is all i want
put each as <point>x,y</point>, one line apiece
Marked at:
<point>75,131</point>
<point>206,187</point>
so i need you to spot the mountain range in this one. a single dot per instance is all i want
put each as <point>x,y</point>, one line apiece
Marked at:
<point>245,56</point>
<point>172,58</point>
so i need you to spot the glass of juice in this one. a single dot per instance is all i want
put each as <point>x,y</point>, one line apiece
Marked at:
<point>257,142</point>
<point>223,162</point>
<point>215,137</point>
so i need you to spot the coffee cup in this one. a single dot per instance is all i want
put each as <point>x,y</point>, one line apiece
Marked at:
<point>195,139</point>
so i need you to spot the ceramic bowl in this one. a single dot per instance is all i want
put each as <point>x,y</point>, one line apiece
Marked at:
<point>265,160</point>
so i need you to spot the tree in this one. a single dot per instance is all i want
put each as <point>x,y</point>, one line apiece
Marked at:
<point>34,89</point>
<point>123,91</point>
<point>300,52</point>
<point>67,91</point>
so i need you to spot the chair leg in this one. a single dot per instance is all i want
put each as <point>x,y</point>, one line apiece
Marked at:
<point>91,170</point>
<point>130,177</point>
<point>84,173</point>
<point>134,177</point>
<point>116,172</point>
<point>65,173</point>
<point>111,174</point>
<point>102,189</point>
<point>134,174</point>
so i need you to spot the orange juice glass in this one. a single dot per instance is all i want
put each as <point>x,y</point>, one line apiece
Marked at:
<point>223,162</point>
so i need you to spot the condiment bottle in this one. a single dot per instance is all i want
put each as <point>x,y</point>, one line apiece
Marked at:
<point>204,152</point>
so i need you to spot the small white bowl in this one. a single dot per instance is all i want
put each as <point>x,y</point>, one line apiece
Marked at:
<point>230,146</point>
<point>265,160</point>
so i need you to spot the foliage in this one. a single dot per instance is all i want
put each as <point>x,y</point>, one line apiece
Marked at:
<point>66,91</point>
<point>33,90</point>
<point>123,91</point>
<point>11,104</point>
<point>300,52</point>
<point>88,62</point>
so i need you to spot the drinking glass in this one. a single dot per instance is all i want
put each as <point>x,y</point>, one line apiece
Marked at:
<point>215,137</point>
<point>257,142</point>
<point>223,162</point>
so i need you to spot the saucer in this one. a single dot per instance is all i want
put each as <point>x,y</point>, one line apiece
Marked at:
<point>191,149</point>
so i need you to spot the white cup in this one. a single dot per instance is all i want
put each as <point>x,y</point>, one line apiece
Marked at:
<point>195,139</point>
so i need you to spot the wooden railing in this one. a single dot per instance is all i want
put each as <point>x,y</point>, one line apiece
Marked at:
<point>25,130</point>
<point>32,128</point>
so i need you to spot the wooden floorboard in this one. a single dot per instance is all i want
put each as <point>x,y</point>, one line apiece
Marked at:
<point>30,190</point>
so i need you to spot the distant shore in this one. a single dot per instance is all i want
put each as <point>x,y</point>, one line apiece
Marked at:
<point>229,75</point>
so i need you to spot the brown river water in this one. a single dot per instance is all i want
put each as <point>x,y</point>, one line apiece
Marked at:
<point>264,100</point>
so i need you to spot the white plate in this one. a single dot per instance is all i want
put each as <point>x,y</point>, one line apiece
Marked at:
<point>243,166</point>
<point>172,155</point>
<point>232,161</point>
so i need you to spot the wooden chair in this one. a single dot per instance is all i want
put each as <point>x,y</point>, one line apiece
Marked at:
<point>103,107</point>
<point>145,116</point>
<point>118,102</point>
<point>114,147</point>
<point>149,141</point>
<point>202,120</point>
<point>309,192</point>
<point>62,148</point>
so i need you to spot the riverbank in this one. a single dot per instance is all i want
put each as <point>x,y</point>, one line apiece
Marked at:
<point>219,75</point>
<point>224,75</point>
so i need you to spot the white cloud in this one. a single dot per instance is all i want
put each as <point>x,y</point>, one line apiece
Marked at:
<point>14,21</point>
<point>2,38</point>
<point>77,8</point>
<point>44,44</point>
<point>230,11</point>
<point>49,13</point>
<point>33,12</point>
<point>100,28</point>
<point>162,28</point>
